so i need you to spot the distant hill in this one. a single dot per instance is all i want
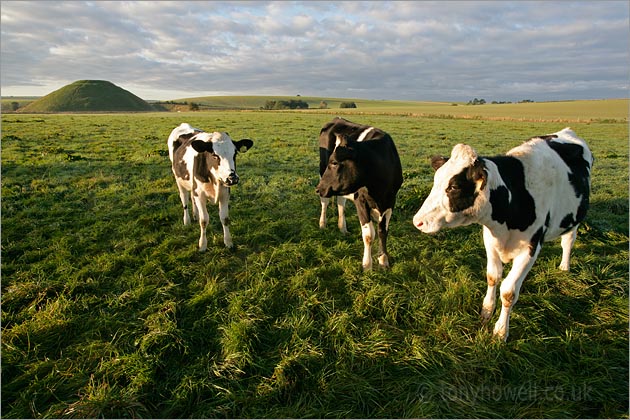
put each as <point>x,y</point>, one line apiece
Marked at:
<point>89,96</point>
<point>258,102</point>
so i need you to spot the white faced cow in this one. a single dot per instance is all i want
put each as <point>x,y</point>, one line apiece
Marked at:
<point>360,162</point>
<point>537,192</point>
<point>204,164</point>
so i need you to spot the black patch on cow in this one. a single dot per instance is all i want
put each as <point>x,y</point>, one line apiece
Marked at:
<point>568,221</point>
<point>324,155</point>
<point>537,240</point>
<point>572,155</point>
<point>182,139</point>
<point>539,236</point>
<point>202,164</point>
<point>201,146</point>
<point>461,192</point>
<point>519,212</point>
<point>180,169</point>
<point>548,137</point>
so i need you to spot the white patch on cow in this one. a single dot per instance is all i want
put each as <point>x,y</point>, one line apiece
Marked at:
<point>365,133</point>
<point>183,128</point>
<point>367,232</point>
<point>338,141</point>
<point>434,213</point>
<point>223,147</point>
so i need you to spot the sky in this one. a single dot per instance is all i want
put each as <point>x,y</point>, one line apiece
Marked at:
<point>410,50</point>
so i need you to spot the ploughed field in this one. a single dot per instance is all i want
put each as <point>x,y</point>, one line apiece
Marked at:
<point>109,310</point>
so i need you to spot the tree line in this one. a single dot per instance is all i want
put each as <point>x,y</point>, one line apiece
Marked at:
<point>483,101</point>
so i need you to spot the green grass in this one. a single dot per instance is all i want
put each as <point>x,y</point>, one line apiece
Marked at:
<point>108,310</point>
<point>608,110</point>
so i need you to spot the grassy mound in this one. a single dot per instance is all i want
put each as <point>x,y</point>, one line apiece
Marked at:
<point>88,96</point>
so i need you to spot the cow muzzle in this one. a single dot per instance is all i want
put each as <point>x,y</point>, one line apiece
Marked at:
<point>426,223</point>
<point>324,191</point>
<point>231,180</point>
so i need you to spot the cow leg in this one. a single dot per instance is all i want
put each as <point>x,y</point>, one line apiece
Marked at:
<point>202,211</point>
<point>322,216</point>
<point>567,243</point>
<point>494,273</point>
<point>341,207</point>
<point>184,196</point>
<point>383,228</point>
<point>224,216</point>
<point>367,232</point>
<point>510,288</point>
<point>195,212</point>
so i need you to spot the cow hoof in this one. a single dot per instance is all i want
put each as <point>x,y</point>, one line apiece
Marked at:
<point>500,334</point>
<point>564,267</point>
<point>486,315</point>
<point>383,261</point>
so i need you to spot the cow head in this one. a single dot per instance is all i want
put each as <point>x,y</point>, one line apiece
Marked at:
<point>458,194</point>
<point>222,150</point>
<point>342,175</point>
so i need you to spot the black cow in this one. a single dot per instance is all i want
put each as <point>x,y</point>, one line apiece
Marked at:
<point>361,163</point>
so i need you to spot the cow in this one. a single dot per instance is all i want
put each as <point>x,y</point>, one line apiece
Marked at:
<point>360,162</point>
<point>204,164</point>
<point>536,192</point>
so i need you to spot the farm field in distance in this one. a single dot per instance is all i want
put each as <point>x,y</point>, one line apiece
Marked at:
<point>109,310</point>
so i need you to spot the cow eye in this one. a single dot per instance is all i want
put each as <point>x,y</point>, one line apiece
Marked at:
<point>450,188</point>
<point>334,163</point>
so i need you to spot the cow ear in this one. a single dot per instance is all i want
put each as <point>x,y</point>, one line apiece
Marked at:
<point>201,146</point>
<point>243,145</point>
<point>437,162</point>
<point>478,173</point>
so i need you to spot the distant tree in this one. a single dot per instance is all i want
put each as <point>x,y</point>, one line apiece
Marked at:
<point>269,105</point>
<point>347,105</point>
<point>476,102</point>
<point>323,105</point>
<point>292,104</point>
<point>15,106</point>
<point>194,106</point>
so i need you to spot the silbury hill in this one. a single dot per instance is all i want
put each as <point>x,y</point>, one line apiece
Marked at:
<point>89,96</point>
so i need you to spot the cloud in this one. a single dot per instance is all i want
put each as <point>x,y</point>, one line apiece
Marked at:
<point>382,50</point>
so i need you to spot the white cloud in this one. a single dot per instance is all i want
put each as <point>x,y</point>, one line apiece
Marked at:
<point>406,50</point>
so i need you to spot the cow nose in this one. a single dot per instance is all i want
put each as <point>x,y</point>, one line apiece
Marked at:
<point>232,179</point>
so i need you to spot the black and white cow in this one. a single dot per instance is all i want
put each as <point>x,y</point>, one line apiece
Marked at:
<point>204,164</point>
<point>361,163</point>
<point>537,192</point>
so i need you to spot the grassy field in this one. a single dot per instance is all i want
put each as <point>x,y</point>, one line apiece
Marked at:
<point>609,110</point>
<point>108,309</point>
